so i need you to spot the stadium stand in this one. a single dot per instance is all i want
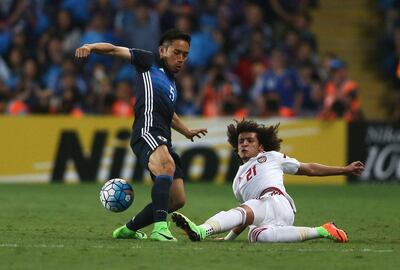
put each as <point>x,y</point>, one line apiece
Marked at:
<point>247,58</point>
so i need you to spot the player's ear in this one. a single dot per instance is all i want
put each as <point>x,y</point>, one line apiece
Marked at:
<point>261,148</point>
<point>162,50</point>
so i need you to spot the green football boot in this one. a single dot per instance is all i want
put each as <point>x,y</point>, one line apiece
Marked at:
<point>124,232</point>
<point>194,232</point>
<point>161,233</point>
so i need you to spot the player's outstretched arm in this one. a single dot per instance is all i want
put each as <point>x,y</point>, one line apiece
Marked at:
<point>315,169</point>
<point>179,126</point>
<point>103,48</point>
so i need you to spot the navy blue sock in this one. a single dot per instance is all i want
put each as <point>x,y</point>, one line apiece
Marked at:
<point>142,219</point>
<point>160,196</point>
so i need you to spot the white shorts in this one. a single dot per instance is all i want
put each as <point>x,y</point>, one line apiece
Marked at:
<point>272,210</point>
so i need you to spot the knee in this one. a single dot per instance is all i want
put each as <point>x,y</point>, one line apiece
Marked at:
<point>161,162</point>
<point>260,234</point>
<point>166,167</point>
<point>248,214</point>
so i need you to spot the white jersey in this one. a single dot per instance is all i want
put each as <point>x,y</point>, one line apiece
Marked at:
<point>262,172</point>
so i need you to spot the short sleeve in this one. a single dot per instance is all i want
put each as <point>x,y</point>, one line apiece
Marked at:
<point>289,165</point>
<point>141,59</point>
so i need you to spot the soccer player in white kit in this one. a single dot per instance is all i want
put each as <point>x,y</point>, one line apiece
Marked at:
<point>258,185</point>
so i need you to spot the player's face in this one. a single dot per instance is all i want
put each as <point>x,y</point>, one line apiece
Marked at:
<point>248,145</point>
<point>175,55</point>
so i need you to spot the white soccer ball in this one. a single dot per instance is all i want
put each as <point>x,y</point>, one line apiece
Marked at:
<point>116,195</point>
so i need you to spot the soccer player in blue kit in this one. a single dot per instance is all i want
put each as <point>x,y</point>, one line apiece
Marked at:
<point>156,95</point>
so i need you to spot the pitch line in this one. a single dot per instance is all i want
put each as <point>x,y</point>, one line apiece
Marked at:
<point>269,250</point>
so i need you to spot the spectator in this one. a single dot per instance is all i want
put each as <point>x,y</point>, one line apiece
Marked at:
<point>144,31</point>
<point>166,14</point>
<point>279,86</point>
<point>220,94</point>
<point>203,45</point>
<point>4,97</point>
<point>81,14</point>
<point>106,9</point>
<point>301,24</point>
<point>102,96</point>
<point>40,35</point>
<point>188,103</point>
<point>97,31</point>
<point>67,31</point>
<point>123,105</point>
<point>54,59</point>
<point>123,19</point>
<point>311,90</point>
<point>71,102</point>
<point>28,88</point>
<point>290,45</point>
<point>341,95</point>
<point>15,60</point>
<point>4,70</point>
<point>305,55</point>
<point>253,23</point>
<point>249,64</point>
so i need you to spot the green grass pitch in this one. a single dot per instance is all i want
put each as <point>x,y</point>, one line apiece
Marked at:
<point>65,227</point>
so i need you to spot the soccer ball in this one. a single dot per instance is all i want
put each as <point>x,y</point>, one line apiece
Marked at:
<point>116,195</point>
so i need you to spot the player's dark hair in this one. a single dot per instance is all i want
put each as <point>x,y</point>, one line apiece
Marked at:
<point>267,136</point>
<point>174,34</point>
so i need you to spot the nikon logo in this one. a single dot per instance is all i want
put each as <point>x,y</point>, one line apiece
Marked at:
<point>96,162</point>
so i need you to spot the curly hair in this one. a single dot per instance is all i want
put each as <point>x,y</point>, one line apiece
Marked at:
<point>267,136</point>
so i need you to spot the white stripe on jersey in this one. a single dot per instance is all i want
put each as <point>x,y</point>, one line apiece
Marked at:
<point>148,111</point>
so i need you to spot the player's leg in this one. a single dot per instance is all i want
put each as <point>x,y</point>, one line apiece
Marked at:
<point>162,165</point>
<point>277,224</point>
<point>145,217</point>
<point>274,223</point>
<point>130,230</point>
<point>281,234</point>
<point>177,197</point>
<point>297,234</point>
<point>221,222</point>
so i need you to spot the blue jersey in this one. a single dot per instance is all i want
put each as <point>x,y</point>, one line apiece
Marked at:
<point>156,95</point>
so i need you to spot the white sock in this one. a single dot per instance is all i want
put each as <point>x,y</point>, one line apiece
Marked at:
<point>283,234</point>
<point>224,221</point>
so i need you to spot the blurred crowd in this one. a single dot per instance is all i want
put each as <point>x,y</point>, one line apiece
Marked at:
<point>247,58</point>
<point>389,52</point>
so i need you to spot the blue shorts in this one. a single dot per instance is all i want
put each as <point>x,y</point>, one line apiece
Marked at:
<point>143,149</point>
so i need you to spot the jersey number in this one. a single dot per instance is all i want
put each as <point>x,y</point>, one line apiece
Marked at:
<point>171,93</point>
<point>251,173</point>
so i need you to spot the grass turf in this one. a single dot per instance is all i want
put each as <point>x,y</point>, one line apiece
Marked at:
<point>65,227</point>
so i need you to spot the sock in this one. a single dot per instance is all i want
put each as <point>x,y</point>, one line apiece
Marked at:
<point>224,221</point>
<point>208,229</point>
<point>322,232</point>
<point>160,196</point>
<point>142,219</point>
<point>283,234</point>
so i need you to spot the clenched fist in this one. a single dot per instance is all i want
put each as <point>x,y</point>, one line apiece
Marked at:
<point>82,52</point>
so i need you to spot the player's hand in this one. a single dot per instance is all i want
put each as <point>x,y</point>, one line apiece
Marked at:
<point>196,133</point>
<point>82,52</point>
<point>356,168</point>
